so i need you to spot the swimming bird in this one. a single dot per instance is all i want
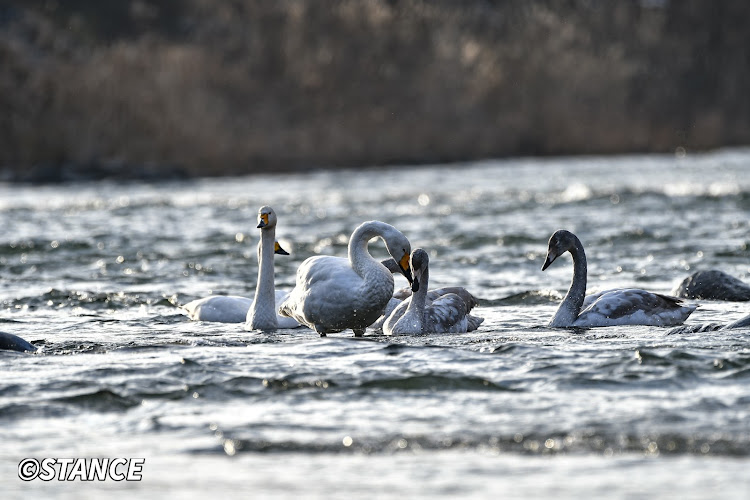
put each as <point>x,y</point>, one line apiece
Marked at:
<point>10,342</point>
<point>336,293</point>
<point>625,306</point>
<point>712,285</point>
<point>446,311</point>
<point>226,308</point>
<point>237,309</point>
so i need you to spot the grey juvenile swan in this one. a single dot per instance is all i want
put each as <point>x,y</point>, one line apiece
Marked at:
<point>447,310</point>
<point>625,306</point>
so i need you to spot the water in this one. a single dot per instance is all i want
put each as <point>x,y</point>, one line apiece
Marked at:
<point>91,273</point>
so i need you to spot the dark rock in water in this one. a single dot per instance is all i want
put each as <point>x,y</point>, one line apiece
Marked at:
<point>713,285</point>
<point>11,342</point>
<point>711,327</point>
<point>740,323</point>
<point>697,328</point>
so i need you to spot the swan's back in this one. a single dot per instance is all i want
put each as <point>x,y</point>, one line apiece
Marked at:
<point>333,294</point>
<point>632,306</point>
<point>219,308</point>
<point>329,291</point>
<point>713,285</point>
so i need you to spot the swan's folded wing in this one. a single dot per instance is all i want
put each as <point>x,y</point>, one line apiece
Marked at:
<point>462,292</point>
<point>446,314</point>
<point>590,299</point>
<point>650,308</point>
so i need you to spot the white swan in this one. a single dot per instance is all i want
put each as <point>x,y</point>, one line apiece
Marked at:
<point>626,306</point>
<point>712,285</point>
<point>446,311</point>
<point>227,308</point>
<point>336,293</point>
<point>236,309</point>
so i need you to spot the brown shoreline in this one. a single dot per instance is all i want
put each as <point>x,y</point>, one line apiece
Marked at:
<point>145,89</point>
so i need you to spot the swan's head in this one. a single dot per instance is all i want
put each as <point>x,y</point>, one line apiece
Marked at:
<point>266,218</point>
<point>278,250</point>
<point>419,264</point>
<point>400,249</point>
<point>559,243</point>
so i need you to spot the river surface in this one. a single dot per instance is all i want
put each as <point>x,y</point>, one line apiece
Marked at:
<point>93,274</point>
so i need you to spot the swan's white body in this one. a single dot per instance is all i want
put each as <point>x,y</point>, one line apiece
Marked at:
<point>626,306</point>
<point>439,311</point>
<point>335,293</point>
<point>233,309</point>
<point>258,313</point>
<point>712,285</point>
<point>219,308</point>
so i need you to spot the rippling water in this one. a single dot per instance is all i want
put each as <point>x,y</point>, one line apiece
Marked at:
<point>92,274</point>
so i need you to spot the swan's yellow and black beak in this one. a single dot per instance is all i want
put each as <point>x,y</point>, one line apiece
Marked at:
<point>263,221</point>
<point>403,265</point>
<point>549,260</point>
<point>278,250</point>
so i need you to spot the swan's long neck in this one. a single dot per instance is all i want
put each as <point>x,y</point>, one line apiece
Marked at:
<point>359,256</point>
<point>418,299</point>
<point>570,307</point>
<point>262,314</point>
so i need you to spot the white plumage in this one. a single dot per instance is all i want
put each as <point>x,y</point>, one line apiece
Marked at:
<point>219,308</point>
<point>627,306</point>
<point>335,293</point>
<point>258,313</point>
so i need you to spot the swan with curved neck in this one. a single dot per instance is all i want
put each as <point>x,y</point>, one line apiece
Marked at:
<point>445,311</point>
<point>626,306</point>
<point>335,293</point>
<point>236,309</point>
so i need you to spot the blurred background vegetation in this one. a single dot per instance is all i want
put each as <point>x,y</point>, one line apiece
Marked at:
<point>162,88</point>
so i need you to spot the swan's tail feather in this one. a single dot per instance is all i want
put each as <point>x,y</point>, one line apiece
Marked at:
<point>474,322</point>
